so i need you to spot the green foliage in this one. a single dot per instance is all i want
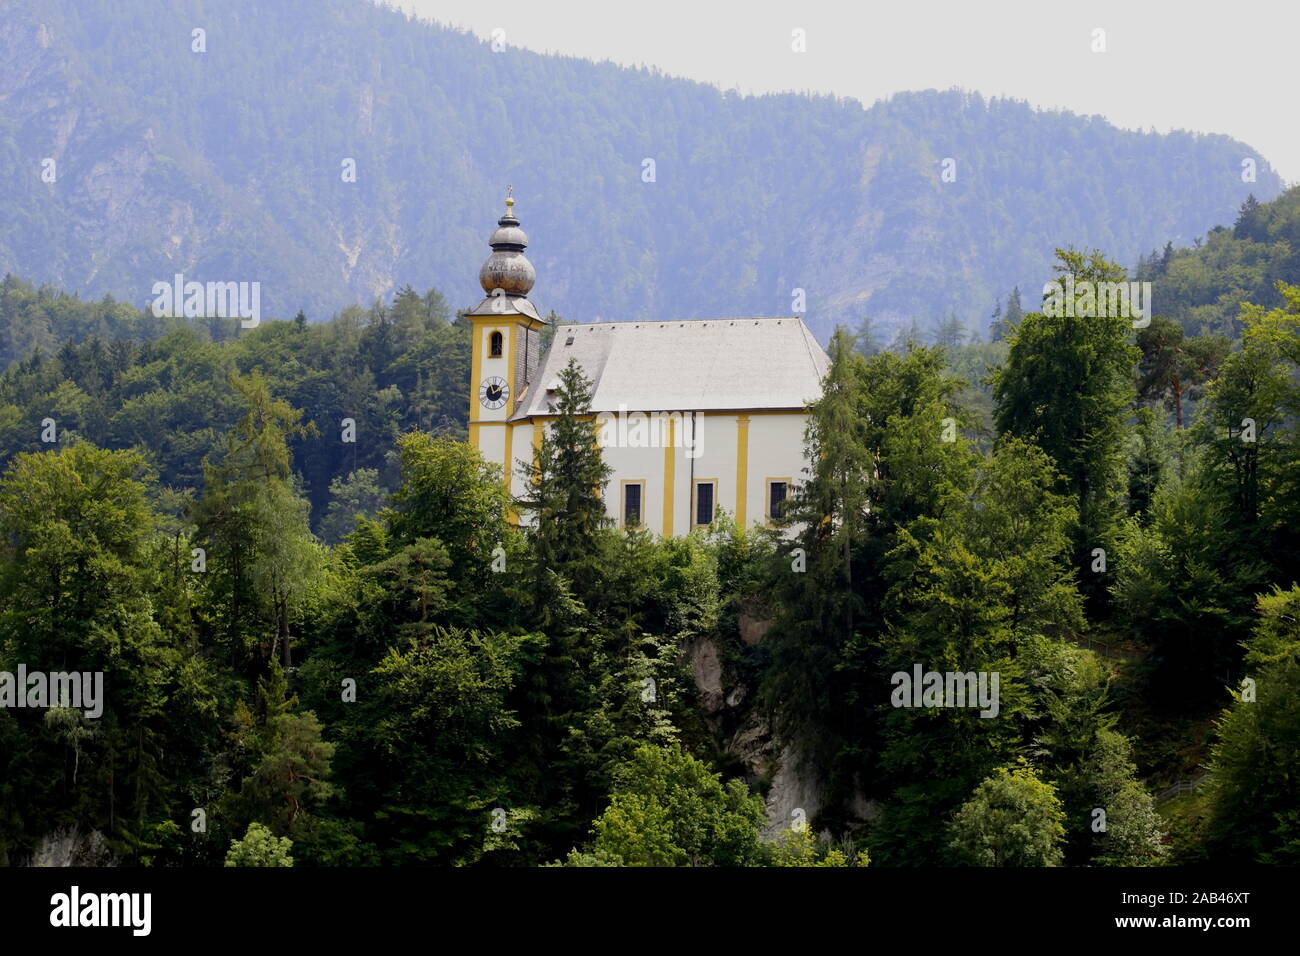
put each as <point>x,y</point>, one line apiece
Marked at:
<point>1173,367</point>
<point>1278,630</point>
<point>1179,591</point>
<point>450,493</point>
<point>438,727</point>
<point>668,809</point>
<point>260,847</point>
<point>81,589</point>
<point>1255,765</point>
<point>801,848</point>
<point>976,588</point>
<point>356,495</point>
<point>1134,834</point>
<point>567,485</point>
<point>254,525</point>
<point>1012,819</point>
<point>130,380</point>
<point>1148,457</point>
<point>1202,287</point>
<point>292,775</point>
<point>1067,386</point>
<point>877,461</point>
<point>1255,475</point>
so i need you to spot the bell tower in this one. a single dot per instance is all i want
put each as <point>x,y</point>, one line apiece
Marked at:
<point>505,341</point>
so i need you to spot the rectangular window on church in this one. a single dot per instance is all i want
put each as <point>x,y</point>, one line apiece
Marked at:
<point>633,503</point>
<point>778,489</point>
<point>705,495</point>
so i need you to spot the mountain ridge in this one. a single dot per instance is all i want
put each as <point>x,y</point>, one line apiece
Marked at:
<point>192,162</point>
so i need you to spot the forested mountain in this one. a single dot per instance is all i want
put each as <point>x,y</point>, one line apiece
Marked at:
<point>230,165</point>
<point>1202,286</point>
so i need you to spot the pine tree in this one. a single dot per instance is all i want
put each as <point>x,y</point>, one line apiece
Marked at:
<point>997,329</point>
<point>949,333</point>
<point>867,337</point>
<point>1166,258</point>
<point>1249,224</point>
<point>1172,366</point>
<point>1147,459</point>
<point>1013,313</point>
<point>566,488</point>
<point>817,583</point>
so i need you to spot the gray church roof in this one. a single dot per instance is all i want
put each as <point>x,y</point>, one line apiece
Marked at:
<point>506,305</point>
<point>686,365</point>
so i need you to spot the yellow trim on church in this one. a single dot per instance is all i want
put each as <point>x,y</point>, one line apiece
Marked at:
<point>475,374</point>
<point>507,467</point>
<point>538,429</point>
<point>511,361</point>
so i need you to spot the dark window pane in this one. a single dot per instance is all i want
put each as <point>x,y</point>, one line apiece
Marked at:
<point>703,504</point>
<point>631,504</point>
<point>495,345</point>
<point>777,505</point>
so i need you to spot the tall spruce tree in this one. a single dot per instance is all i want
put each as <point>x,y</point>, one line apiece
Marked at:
<point>566,487</point>
<point>568,532</point>
<point>830,508</point>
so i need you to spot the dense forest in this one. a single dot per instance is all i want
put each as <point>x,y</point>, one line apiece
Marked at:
<point>289,150</point>
<point>320,651</point>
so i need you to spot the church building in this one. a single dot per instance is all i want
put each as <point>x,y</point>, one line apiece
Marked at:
<point>694,415</point>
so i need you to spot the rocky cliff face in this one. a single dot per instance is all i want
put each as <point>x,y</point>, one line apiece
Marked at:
<point>71,847</point>
<point>795,793</point>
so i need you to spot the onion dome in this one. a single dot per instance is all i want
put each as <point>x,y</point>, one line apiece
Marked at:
<point>508,269</point>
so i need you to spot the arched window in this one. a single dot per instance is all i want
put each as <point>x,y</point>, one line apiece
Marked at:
<point>494,345</point>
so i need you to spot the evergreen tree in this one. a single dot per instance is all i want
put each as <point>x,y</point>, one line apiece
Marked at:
<point>997,328</point>
<point>948,332</point>
<point>830,508</point>
<point>1014,311</point>
<point>1172,367</point>
<point>565,500</point>
<point>1250,224</point>
<point>1148,457</point>
<point>867,339</point>
<point>1255,777</point>
<point>357,494</point>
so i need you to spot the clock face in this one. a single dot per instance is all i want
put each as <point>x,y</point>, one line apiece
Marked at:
<point>493,392</point>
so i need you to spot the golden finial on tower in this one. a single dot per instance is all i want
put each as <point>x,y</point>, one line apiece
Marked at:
<point>510,200</point>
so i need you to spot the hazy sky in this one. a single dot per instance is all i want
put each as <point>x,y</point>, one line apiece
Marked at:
<point>1220,67</point>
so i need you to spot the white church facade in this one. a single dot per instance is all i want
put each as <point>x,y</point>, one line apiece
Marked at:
<point>694,416</point>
